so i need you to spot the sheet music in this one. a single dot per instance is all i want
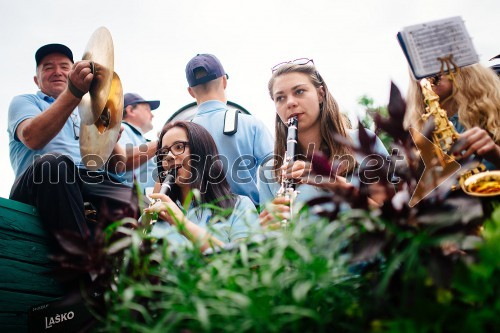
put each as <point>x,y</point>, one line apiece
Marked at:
<point>426,42</point>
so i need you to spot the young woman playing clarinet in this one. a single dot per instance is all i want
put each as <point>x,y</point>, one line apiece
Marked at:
<point>214,216</point>
<point>298,90</point>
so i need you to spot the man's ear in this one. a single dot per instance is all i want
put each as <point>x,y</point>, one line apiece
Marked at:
<point>35,78</point>
<point>190,91</point>
<point>224,81</point>
<point>128,110</point>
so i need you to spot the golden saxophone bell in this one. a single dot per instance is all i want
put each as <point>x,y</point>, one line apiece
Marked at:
<point>101,110</point>
<point>484,184</point>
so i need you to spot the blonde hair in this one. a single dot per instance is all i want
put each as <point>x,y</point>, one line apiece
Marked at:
<point>331,120</point>
<point>476,99</point>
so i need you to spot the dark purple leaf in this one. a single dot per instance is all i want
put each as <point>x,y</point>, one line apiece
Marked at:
<point>393,125</point>
<point>72,242</point>
<point>368,246</point>
<point>320,164</point>
<point>366,141</point>
<point>397,105</point>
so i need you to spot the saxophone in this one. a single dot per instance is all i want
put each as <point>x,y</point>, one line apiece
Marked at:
<point>287,188</point>
<point>445,136</point>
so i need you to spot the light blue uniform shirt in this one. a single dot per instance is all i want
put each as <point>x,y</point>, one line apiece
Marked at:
<point>239,224</point>
<point>29,106</point>
<point>241,153</point>
<point>269,187</point>
<point>146,173</point>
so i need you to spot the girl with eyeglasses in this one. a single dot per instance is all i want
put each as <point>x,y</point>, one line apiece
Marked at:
<point>214,216</point>
<point>471,99</point>
<point>298,89</point>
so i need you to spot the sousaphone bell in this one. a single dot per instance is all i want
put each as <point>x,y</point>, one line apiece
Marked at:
<point>101,110</point>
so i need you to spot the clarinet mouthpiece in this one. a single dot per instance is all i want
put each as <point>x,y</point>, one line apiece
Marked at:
<point>166,185</point>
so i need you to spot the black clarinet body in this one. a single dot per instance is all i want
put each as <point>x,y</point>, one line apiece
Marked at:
<point>287,188</point>
<point>291,146</point>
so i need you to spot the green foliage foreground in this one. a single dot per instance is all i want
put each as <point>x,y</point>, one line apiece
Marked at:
<point>292,281</point>
<point>307,279</point>
<point>432,267</point>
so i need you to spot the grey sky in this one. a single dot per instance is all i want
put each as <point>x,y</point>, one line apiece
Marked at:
<point>353,45</point>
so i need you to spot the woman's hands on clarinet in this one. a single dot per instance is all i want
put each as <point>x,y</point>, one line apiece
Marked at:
<point>171,213</point>
<point>166,209</point>
<point>275,212</point>
<point>301,172</point>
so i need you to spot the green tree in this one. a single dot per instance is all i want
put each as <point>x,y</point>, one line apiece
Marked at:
<point>367,121</point>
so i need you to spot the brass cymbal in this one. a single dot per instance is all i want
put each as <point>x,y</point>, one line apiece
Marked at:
<point>99,50</point>
<point>98,140</point>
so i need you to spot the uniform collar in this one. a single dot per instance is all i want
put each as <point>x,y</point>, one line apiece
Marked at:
<point>211,106</point>
<point>134,129</point>
<point>45,97</point>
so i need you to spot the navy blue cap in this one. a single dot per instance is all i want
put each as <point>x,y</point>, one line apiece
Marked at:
<point>52,48</point>
<point>207,62</point>
<point>131,98</point>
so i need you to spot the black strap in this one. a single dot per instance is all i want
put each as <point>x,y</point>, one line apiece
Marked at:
<point>74,90</point>
<point>230,121</point>
<point>135,130</point>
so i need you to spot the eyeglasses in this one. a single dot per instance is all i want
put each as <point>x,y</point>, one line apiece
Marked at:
<point>76,128</point>
<point>176,149</point>
<point>300,61</point>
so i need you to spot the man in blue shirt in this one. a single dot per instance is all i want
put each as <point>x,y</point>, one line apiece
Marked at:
<point>137,121</point>
<point>241,150</point>
<point>44,145</point>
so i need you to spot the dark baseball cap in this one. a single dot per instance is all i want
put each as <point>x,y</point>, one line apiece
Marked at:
<point>132,98</point>
<point>52,48</point>
<point>209,63</point>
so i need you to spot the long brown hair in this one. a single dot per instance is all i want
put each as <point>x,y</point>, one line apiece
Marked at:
<point>331,119</point>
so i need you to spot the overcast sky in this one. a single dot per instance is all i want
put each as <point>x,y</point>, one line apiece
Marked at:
<point>353,44</point>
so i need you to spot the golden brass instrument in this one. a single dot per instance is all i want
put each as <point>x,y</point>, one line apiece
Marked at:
<point>101,110</point>
<point>444,136</point>
<point>483,184</point>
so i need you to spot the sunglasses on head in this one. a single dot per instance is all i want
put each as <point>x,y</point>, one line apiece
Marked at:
<point>300,61</point>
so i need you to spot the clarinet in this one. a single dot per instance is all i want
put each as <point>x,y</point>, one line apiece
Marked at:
<point>166,187</point>
<point>287,188</point>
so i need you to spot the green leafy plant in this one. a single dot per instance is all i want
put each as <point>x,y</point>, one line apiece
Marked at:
<point>432,267</point>
<point>282,281</point>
